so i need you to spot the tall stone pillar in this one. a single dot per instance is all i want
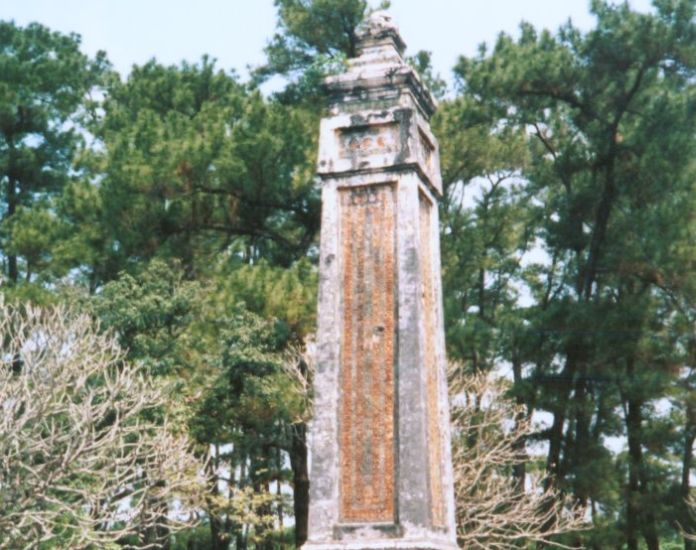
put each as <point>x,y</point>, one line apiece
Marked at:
<point>380,465</point>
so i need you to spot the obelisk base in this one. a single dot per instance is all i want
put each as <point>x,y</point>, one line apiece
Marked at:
<point>380,545</point>
<point>375,537</point>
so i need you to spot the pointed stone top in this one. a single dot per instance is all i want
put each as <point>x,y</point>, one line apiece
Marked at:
<point>379,28</point>
<point>378,24</point>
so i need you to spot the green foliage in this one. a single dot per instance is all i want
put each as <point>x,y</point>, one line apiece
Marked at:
<point>246,413</point>
<point>242,391</point>
<point>44,81</point>
<point>485,223</point>
<point>197,538</point>
<point>227,365</point>
<point>152,314</point>
<point>286,294</point>
<point>311,28</point>
<point>422,63</point>
<point>569,265</point>
<point>195,162</point>
<point>313,39</point>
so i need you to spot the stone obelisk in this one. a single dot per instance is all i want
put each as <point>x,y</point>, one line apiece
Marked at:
<point>380,464</point>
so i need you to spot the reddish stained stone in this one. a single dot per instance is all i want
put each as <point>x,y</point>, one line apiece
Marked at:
<point>366,459</point>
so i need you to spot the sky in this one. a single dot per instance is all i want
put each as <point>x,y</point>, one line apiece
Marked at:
<point>235,31</point>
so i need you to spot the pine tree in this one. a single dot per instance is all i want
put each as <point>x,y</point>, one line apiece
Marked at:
<point>44,85</point>
<point>609,122</point>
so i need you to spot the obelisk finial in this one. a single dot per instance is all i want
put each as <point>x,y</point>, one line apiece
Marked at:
<point>377,23</point>
<point>379,29</point>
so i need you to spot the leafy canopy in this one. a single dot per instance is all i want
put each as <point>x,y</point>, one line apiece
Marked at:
<point>44,82</point>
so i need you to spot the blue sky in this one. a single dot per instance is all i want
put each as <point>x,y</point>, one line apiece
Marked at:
<point>235,31</point>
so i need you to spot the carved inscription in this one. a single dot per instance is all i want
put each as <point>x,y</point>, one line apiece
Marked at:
<point>369,140</point>
<point>368,242</point>
<point>431,365</point>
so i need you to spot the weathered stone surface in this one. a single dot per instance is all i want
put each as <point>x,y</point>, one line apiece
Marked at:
<point>380,466</point>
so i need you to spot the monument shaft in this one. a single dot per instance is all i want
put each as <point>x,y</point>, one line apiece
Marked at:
<point>380,465</point>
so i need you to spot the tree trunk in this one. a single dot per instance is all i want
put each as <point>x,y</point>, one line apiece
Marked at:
<point>633,492</point>
<point>582,431</point>
<point>218,539</point>
<point>689,436</point>
<point>279,495</point>
<point>260,468</point>
<point>12,270</point>
<point>482,293</point>
<point>639,518</point>
<point>519,471</point>
<point>564,385</point>
<point>157,535</point>
<point>300,474</point>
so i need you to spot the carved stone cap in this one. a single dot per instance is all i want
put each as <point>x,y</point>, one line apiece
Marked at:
<point>378,28</point>
<point>379,74</point>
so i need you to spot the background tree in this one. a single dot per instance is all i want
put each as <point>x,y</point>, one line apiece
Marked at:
<point>288,297</point>
<point>80,462</point>
<point>313,38</point>
<point>44,84</point>
<point>194,163</point>
<point>607,121</point>
<point>199,170</point>
<point>493,510</point>
<point>226,365</point>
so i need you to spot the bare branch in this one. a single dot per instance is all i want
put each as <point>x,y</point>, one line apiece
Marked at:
<point>493,511</point>
<point>81,462</point>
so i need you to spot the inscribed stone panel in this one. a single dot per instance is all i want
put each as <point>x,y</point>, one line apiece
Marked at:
<point>369,140</point>
<point>368,249</point>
